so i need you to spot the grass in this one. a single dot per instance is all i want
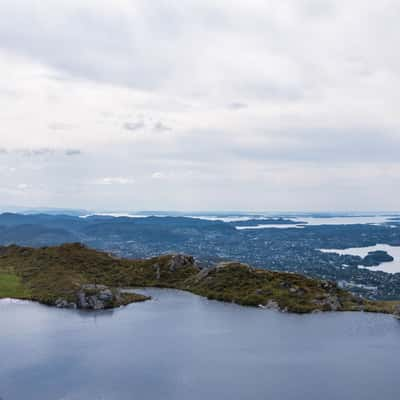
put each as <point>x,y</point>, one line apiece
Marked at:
<point>11,286</point>
<point>241,284</point>
<point>385,306</point>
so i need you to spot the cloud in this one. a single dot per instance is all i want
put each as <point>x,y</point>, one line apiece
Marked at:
<point>158,175</point>
<point>133,126</point>
<point>7,169</point>
<point>35,152</point>
<point>237,106</point>
<point>38,152</point>
<point>72,152</point>
<point>115,180</point>
<point>23,186</point>
<point>354,144</point>
<point>161,127</point>
<point>263,102</point>
<point>60,126</point>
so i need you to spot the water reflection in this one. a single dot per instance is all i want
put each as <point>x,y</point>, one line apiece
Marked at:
<point>180,346</point>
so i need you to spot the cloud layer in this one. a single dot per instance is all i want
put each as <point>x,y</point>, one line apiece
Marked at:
<point>266,105</point>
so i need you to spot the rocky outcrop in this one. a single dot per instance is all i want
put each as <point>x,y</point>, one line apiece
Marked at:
<point>203,273</point>
<point>329,302</point>
<point>92,297</point>
<point>208,271</point>
<point>172,265</point>
<point>97,297</point>
<point>178,261</point>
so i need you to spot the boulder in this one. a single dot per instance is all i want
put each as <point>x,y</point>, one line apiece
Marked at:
<point>96,297</point>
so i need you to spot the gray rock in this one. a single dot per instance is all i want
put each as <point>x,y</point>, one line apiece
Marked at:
<point>105,295</point>
<point>157,268</point>
<point>95,303</point>
<point>62,303</point>
<point>180,260</point>
<point>330,301</point>
<point>272,305</point>
<point>81,300</point>
<point>203,273</point>
<point>96,297</point>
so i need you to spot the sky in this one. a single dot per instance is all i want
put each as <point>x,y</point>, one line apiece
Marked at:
<point>200,104</point>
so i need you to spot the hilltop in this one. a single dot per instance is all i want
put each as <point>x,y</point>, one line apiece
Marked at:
<point>75,276</point>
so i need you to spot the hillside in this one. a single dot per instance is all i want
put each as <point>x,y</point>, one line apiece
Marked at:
<point>72,275</point>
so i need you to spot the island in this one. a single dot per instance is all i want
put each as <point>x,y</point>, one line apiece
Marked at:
<point>75,276</point>
<point>376,257</point>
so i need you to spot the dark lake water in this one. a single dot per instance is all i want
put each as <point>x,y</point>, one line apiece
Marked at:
<point>182,347</point>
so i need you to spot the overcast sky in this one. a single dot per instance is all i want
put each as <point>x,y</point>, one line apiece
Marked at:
<point>200,104</point>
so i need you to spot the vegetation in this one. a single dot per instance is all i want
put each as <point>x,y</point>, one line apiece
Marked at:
<point>11,286</point>
<point>244,285</point>
<point>49,274</point>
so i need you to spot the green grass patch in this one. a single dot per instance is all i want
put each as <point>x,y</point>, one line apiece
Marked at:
<point>11,286</point>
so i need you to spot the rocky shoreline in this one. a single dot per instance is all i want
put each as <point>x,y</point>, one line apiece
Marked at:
<point>98,297</point>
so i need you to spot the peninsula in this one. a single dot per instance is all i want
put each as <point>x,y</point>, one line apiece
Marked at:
<point>75,276</point>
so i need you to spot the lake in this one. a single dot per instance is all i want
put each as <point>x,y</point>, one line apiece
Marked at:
<point>390,267</point>
<point>183,347</point>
